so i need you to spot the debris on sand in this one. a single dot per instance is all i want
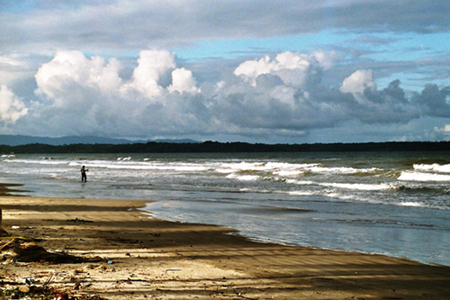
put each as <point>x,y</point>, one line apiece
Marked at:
<point>42,292</point>
<point>22,250</point>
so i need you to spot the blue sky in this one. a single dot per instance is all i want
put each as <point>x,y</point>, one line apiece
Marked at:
<point>257,71</point>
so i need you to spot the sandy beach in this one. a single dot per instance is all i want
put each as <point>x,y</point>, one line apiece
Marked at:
<point>130,255</point>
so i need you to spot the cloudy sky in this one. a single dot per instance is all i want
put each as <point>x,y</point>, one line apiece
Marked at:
<point>238,70</point>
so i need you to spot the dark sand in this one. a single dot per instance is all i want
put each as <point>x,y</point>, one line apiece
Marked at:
<point>147,258</point>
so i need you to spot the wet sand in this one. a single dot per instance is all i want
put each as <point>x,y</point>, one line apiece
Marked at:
<point>147,258</point>
<point>8,188</point>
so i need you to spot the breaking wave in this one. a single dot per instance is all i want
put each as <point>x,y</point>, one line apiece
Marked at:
<point>421,176</point>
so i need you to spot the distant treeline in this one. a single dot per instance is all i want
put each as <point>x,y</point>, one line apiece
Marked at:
<point>218,147</point>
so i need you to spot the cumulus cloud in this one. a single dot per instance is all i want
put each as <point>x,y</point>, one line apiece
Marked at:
<point>281,95</point>
<point>152,64</point>
<point>434,101</point>
<point>87,96</point>
<point>358,83</point>
<point>11,107</point>
<point>287,93</point>
<point>183,81</point>
<point>292,68</point>
<point>73,68</point>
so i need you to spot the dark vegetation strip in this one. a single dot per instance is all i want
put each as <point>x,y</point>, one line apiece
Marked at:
<point>218,147</point>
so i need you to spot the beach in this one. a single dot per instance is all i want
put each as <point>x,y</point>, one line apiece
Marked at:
<point>394,204</point>
<point>131,255</point>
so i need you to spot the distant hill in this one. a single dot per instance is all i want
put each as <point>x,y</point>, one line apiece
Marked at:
<point>16,140</point>
<point>177,141</point>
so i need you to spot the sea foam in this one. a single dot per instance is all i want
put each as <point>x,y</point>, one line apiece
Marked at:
<point>420,176</point>
<point>432,168</point>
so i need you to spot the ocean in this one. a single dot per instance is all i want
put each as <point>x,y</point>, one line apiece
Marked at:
<point>390,203</point>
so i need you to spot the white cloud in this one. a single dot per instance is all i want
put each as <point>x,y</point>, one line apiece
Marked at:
<point>152,64</point>
<point>11,107</point>
<point>183,81</point>
<point>105,76</point>
<point>283,97</point>
<point>249,70</point>
<point>359,82</point>
<point>80,95</point>
<point>325,59</point>
<point>293,68</point>
<point>73,68</point>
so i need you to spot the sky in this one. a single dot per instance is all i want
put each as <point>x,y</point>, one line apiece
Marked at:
<point>232,70</point>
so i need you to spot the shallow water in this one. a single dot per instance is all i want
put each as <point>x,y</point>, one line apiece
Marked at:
<point>396,204</point>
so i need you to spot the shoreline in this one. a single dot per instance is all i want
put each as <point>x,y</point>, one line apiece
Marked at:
<point>143,257</point>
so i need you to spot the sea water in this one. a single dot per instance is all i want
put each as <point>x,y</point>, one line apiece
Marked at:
<point>391,203</point>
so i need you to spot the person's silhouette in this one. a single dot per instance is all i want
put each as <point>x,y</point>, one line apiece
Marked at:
<point>83,174</point>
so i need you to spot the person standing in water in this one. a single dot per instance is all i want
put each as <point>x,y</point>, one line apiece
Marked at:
<point>83,174</point>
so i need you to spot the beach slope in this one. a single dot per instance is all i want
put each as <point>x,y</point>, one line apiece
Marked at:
<point>127,254</point>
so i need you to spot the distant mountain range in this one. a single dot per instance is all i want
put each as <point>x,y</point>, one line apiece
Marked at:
<point>16,140</point>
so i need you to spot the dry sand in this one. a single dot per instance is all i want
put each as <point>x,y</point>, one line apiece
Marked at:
<point>147,258</point>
